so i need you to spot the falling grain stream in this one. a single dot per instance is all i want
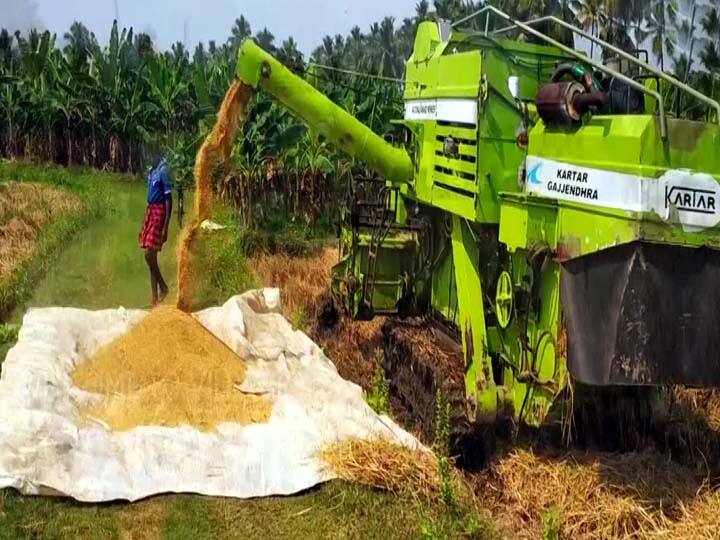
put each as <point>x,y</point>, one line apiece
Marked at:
<point>215,149</point>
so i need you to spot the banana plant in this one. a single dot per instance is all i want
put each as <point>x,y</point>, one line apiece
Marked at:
<point>169,90</point>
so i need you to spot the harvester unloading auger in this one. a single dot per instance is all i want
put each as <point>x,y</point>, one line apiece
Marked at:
<point>547,215</point>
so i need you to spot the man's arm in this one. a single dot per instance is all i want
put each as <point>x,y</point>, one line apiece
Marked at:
<point>168,213</point>
<point>167,188</point>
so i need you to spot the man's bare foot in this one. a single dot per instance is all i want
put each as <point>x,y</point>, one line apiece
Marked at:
<point>163,293</point>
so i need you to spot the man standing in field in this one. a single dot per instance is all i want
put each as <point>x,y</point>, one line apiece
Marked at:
<point>154,231</point>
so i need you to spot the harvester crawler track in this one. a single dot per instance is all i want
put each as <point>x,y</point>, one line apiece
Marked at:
<point>420,358</point>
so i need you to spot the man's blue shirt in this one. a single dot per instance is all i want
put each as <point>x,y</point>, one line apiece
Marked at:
<point>159,184</point>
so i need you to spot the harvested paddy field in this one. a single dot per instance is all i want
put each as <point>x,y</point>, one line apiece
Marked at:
<point>25,209</point>
<point>532,488</point>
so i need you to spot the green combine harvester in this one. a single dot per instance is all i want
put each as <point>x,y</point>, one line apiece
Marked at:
<point>547,218</point>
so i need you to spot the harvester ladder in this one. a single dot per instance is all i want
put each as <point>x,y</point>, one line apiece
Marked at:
<point>527,27</point>
<point>382,227</point>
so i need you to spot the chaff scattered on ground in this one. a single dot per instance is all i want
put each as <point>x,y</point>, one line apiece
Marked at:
<point>304,284</point>
<point>594,495</point>
<point>303,281</point>
<point>653,494</point>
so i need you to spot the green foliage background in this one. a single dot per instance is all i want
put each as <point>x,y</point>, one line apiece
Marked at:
<point>113,106</point>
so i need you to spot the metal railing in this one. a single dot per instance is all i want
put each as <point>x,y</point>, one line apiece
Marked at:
<point>527,27</point>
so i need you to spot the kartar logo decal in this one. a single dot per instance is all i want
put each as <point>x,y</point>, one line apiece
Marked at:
<point>701,201</point>
<point>690,199</point>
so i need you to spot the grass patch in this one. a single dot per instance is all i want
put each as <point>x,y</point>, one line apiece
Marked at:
<point>143,520</point>
<point>278,236</point>
<point>53,519</point>
<point>378,397</point>
<point>190,517</point>
<point>221,267</point>
<point>336,509</point>
<point>289,243</point>
<point>8,337</point>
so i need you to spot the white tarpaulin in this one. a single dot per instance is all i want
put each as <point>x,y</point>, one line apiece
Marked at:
<point>44,449</point>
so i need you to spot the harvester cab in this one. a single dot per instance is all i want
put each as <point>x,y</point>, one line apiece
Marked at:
<point>549,216</point>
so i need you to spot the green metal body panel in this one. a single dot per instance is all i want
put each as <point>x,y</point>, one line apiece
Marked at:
<point>479,383</point>
<point>632,144</point>
<point>461,188</point>
<point>624,144</point>
<point>488,155</point>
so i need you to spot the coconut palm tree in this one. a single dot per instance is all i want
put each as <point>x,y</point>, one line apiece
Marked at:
<point>240,32</point>
<point>592,16</point>
<point>620,15</point>
<point>450,9</point>
<point>331,52</point>
<point>710,55</point>
<point>355,52</point>
<point>290,55</point>
<point>660,28</point>
<point>266,40</point>
<point>422,10</point>
<point>686,26</point>
<point>386,59</point>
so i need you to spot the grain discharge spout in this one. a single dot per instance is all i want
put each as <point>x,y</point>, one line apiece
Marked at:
<point>259,69</point>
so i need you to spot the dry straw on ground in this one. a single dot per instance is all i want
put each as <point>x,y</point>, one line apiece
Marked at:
<point>703,404</point>
<point>142,520</point>
<point>385,465</point>
<point>168,371</point>
<point>25,208</point>
<point>215,149</point>
<point>598,496</point>
<point>303,281</point>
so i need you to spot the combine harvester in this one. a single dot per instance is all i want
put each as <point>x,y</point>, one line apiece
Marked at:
<point>547,216</point>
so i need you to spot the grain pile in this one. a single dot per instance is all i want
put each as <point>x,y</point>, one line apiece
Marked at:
<point>168,371</point>
<point>216,148</point>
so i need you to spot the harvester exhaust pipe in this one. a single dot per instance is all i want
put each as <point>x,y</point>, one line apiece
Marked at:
<point>259,69</point>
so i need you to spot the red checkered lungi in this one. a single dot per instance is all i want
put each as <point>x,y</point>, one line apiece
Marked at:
<point>151,234</point>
